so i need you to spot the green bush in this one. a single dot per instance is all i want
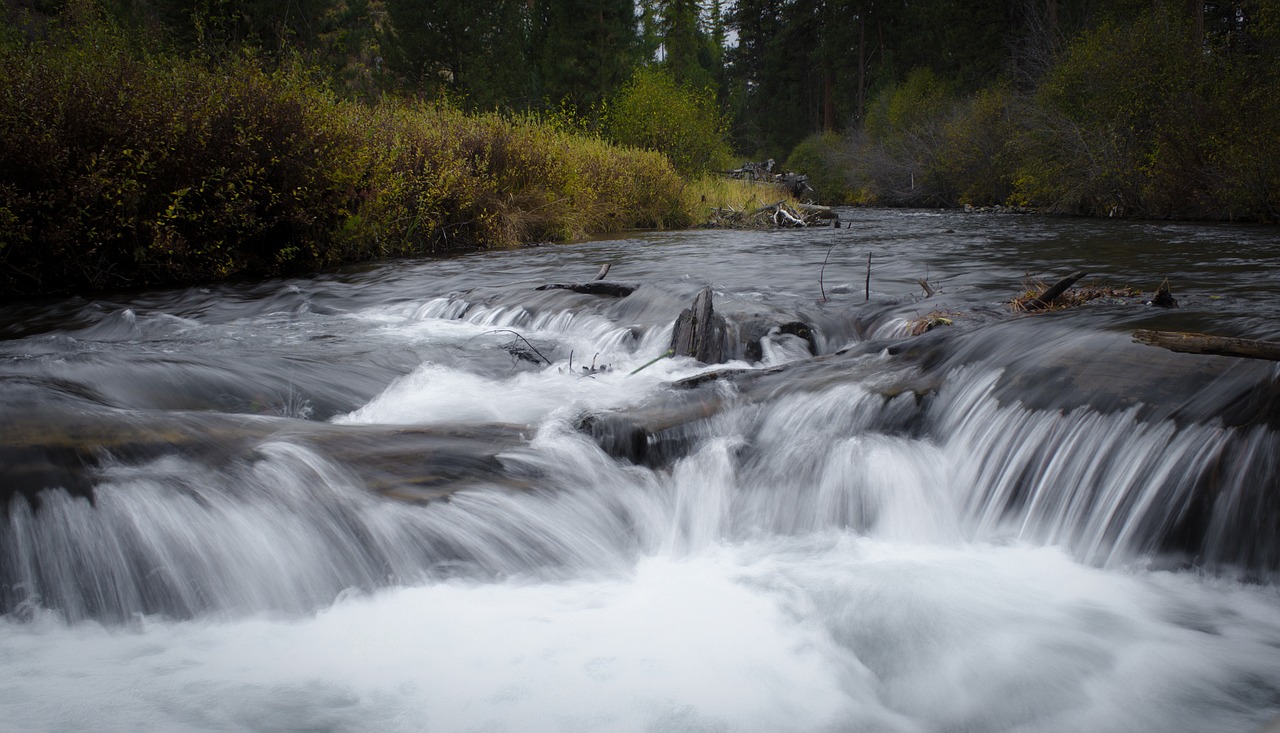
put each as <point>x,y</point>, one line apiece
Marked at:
<point>897,158</point>
<point>909,109</point>
<point>119,169</point>
<point>1135,120</point>
<point>822,157</point>
<point>973,157</point>
<point>654,112</point>
<point>1099,114</point>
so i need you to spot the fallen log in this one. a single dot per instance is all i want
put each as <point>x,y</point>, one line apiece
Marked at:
<point>660,432</point>
<point>820,212</point>
<point>783,217</point>
<point>596,287</point>
<point>768,208</point>
<point>1199,343</point>
<point>779,214</point>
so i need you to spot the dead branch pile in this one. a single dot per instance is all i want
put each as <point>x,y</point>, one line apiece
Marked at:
<point>778,215</point>
<point>1040,296</point>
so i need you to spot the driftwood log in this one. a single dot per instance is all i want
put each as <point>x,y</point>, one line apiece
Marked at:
<point>814,213</point>
<point>820,212</point>
<point>595,287</point>
<point>779,214</point>
<point>1200,343</point>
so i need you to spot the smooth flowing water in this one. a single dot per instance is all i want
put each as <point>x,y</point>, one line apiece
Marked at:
<point>428,496</point>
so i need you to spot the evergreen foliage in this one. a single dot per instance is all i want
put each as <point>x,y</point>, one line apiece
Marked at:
<point>584,50</point>
<point>475,51</point>
<point>687,53</point>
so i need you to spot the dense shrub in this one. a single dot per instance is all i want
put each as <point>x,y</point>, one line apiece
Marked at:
<point>1101,112</point>
<point>654,112</point>
<point>445,177</point>
<point>974,156</point>
<point>1136,120</point>
<point>823,158</point>
<point>116,168</point>
<point>1140,117</point>
<point>119,169</point>
<point>897,156</point>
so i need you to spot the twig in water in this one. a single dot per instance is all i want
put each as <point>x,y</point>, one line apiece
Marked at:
<point>868,276</point>
<point>924,283</point>
<point>525,340</point>
<point>823,271</point>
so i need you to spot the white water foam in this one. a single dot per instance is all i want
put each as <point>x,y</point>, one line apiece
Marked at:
<point>827,632</point>
<point>801,570</point>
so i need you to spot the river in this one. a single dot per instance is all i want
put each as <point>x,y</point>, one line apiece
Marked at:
<point>427,496</point>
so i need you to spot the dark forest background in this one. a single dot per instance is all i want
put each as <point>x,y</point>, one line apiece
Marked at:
<point>1136,107</point>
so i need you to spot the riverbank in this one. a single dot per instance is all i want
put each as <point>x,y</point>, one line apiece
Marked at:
<point>121,169</point>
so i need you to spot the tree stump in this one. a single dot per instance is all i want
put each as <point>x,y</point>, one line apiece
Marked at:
<point>699,331</point>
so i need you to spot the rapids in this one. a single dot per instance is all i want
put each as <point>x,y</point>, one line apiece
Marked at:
<point>427,496</point>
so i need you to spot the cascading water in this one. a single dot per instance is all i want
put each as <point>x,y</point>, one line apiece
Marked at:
<point>429,497</point>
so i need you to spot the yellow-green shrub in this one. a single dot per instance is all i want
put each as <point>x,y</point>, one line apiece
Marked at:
<point>823,158</point>
<point>118,169</point>
<point>655,112</point>
<point>121,169</point>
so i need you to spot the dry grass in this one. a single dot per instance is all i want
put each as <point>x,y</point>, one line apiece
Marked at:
<point>717,201</point>
<point>930,321</point>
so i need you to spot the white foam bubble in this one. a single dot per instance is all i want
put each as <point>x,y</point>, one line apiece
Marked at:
<point>825,632</point>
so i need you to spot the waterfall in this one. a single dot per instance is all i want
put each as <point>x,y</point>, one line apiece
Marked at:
<point>288,529</point>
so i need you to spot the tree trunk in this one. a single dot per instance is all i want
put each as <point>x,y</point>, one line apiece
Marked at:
<point>862,65</point>
<point>595,287</point>
<point>829,102</point>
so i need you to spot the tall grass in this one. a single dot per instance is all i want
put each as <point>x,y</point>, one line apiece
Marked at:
<point>122,169</point>
<point>705,195</point>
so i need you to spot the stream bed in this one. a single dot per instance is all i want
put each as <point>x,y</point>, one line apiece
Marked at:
<point>426,495</point>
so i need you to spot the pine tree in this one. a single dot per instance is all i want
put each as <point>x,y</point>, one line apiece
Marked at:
<point>684,43</point>
<point>476,50</point>
<point>584,50</point>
